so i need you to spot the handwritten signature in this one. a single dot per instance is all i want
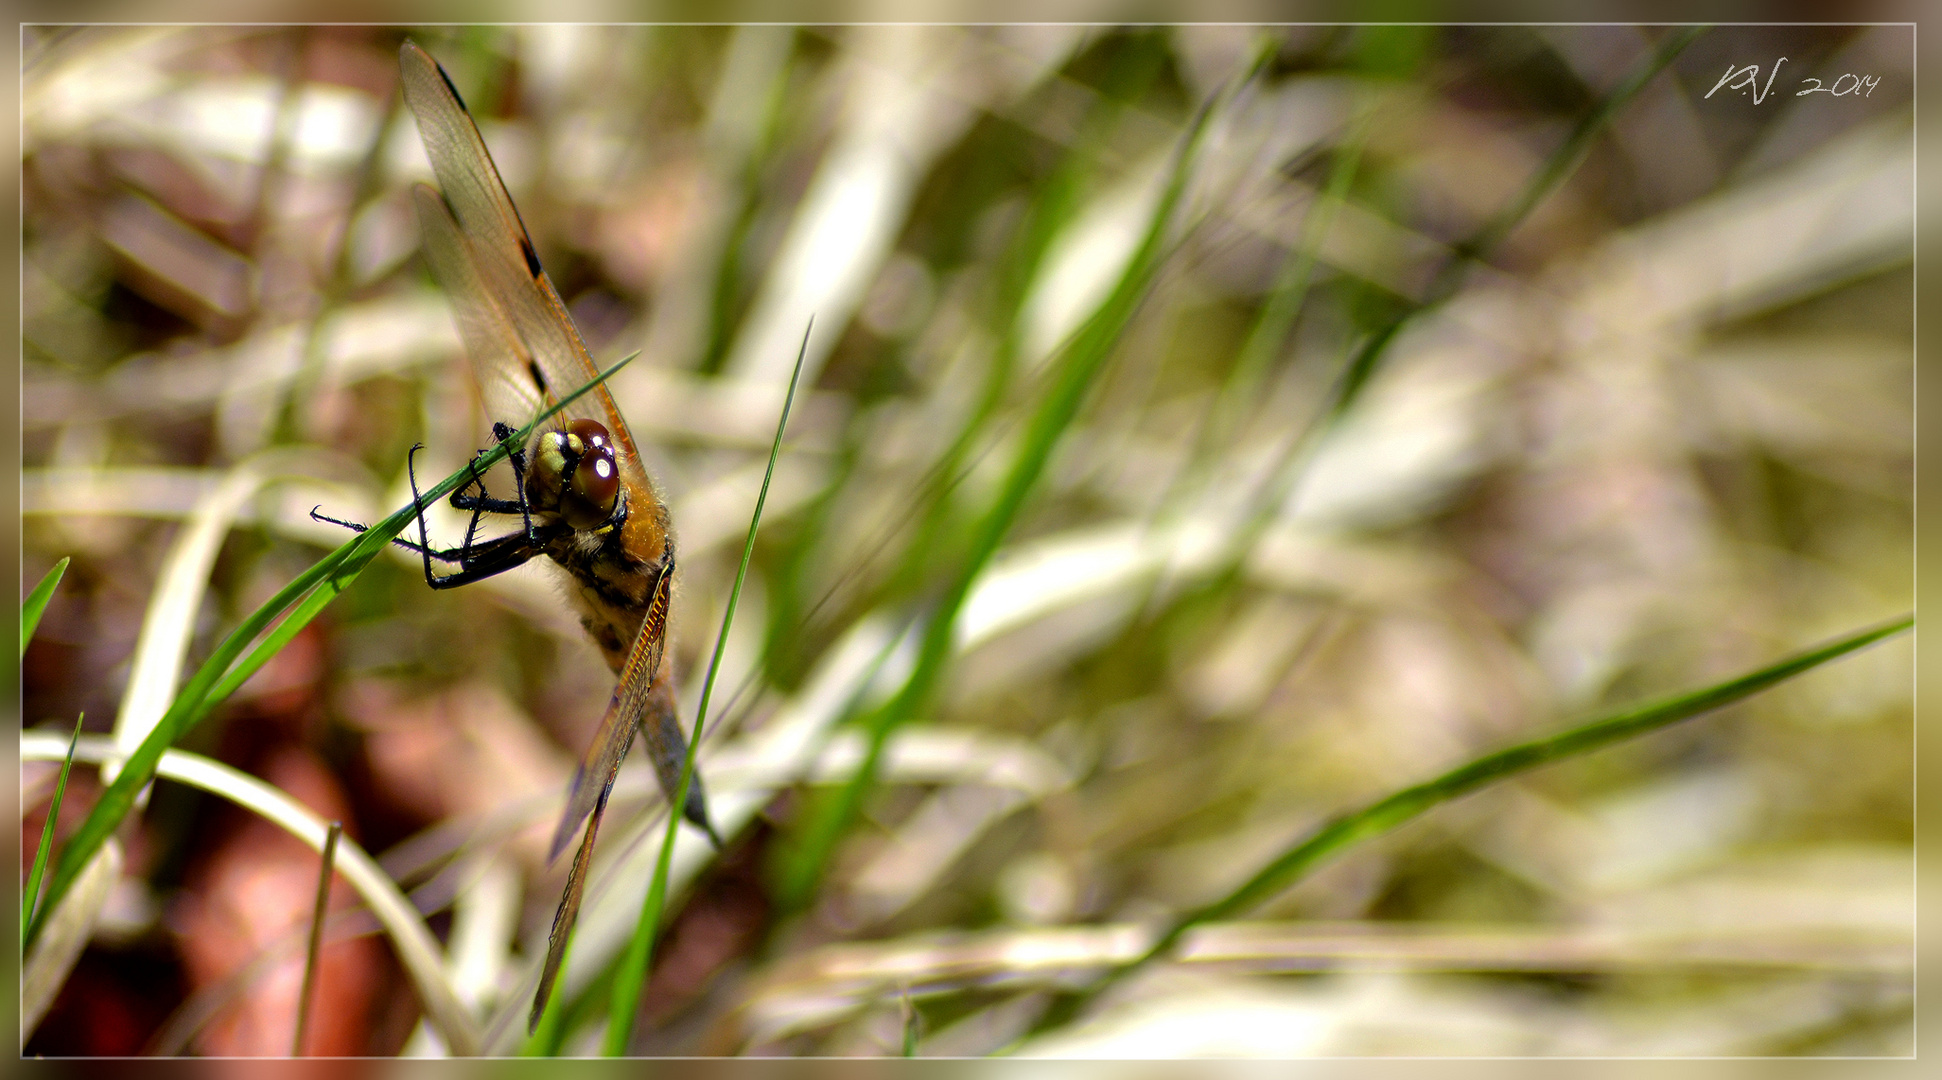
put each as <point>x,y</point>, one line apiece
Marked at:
<point>1747,79</point>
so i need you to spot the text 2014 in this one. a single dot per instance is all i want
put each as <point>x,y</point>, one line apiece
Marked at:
<point>1747,79</point>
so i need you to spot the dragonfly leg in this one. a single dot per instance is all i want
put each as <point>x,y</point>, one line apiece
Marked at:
<point>451,556</point>
<point>463,500</point>
<point>490,559</point>
<point>480,504</point>
<point>475,562</point>
<point>504,431</point>
<point>424,539</point>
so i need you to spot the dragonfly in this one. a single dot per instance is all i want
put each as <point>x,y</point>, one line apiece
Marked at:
<point>581,494</point>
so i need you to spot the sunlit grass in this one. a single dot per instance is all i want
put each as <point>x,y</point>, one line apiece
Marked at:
<point>1210,433</point>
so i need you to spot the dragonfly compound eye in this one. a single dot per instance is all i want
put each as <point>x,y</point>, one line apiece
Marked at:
<point>588,500</point>
<point>591,432</point>
<point>575,475</point>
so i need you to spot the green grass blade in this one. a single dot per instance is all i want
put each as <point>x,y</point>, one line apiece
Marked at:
<point>189,705</point>
<point>36,602</point>
<point>221,674</point>
<point>1385,814</point>
<point>30,899</point>
<point>632,975</point>
<point>827,819</point>
<point>1051,207</point>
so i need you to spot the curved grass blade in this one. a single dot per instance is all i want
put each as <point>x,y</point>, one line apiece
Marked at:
<point>30,899</point>
<point>222,673</point>
<point>410,939</point>
<point>1385,814</point>
<point>632,975</point>
<point>36,602</point>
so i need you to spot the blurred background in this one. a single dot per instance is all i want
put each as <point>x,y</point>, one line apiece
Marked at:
<point>1659,434</point>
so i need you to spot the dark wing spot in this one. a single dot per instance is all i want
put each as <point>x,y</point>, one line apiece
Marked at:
<point>448,85</point>
<point>539,380</point>
<point>526,249</point>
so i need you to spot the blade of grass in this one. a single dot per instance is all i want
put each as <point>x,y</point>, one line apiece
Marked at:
<point>632,975</point>
<point>31,898</point>
<point>168,623</point>
<point>316,946</point>
<point>1387,813</point>
<point>221,674</point>
<point>827,819</point>
<point>1052,206</point>
<point>417,950</point>
<point>36,602</point>
<point>1578,143</point>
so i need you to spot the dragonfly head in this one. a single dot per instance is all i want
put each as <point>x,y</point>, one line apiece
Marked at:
<point>574,474</point>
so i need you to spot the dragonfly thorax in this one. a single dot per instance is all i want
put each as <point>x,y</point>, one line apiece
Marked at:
<point>574,475</point>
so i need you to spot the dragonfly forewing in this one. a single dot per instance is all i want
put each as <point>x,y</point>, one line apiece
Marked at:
<point>588,502</point>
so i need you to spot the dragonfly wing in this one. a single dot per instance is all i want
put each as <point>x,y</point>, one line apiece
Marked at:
<point>668,749</point>
<point>499,354</point>
<point>639,675</point>
<point>593,781</point>
<point>644,696</point>
<point>555,359</point>
<point>569,910</point>
<point>527,354</point>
